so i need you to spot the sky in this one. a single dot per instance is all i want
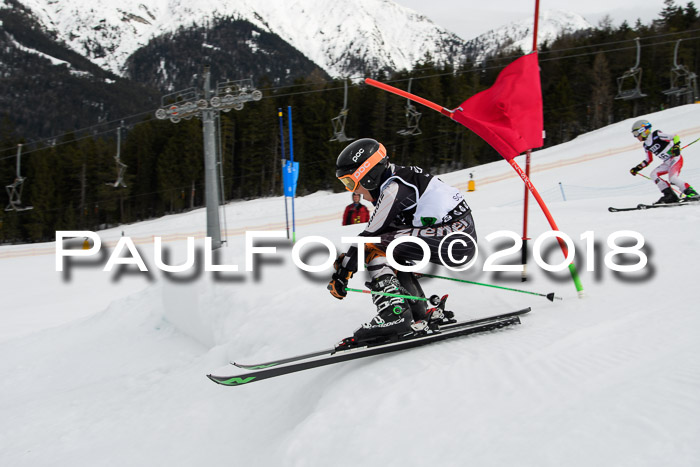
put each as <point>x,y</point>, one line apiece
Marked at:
<point>470,18</point>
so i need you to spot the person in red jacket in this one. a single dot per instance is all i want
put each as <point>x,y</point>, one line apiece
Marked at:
<point>355,213</point>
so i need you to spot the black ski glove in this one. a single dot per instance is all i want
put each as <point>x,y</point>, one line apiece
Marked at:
<point>636,168</point>
<point>339,282</point>
<point>340,278</point>
<point>675,150</point>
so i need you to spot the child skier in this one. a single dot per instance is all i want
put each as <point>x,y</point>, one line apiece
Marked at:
<point>407,202</point>
<point>666,147</point>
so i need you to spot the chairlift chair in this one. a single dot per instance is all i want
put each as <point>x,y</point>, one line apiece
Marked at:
<point>121,167</point>
<point>634,74</point>
<point>412,117</point>
<point>339,121</point>
<point>14,189</point>
<point>683,81</point>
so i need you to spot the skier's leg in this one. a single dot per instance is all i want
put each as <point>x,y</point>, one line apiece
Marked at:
<point>410,283</point>
<point>455,251</point>
<point>656,174</point>
<point>668,195</point>
<point>375,259</point>
<point>393,313</point>
<point>674,172</point>
<point>674,177</point>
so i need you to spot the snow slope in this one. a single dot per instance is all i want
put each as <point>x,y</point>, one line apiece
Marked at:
<point>101,368</point>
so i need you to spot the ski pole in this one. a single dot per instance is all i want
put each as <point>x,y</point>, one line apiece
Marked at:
<point>672,187</point>
<point>550,296</point>
<point>433,300</point>
<point>690,143</point>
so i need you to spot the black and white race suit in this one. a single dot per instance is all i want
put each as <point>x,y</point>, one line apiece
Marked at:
<point>414,203</point>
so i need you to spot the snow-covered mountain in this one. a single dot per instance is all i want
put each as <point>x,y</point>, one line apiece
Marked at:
<point>341,37</point>
<point>518,34</point>
<point>345,38</point>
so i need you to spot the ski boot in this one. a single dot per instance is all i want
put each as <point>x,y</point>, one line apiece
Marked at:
<point>691,194</point>
<point>434,317</point>
<point>424,318</point>
<point>669,197</point>
<point>409,282</point>
<point>393,318</point>
<point>438,315</point>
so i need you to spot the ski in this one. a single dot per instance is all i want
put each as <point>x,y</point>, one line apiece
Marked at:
<point>641,207</point>
<point>442,327</point>
<point>667,205</point>
<point>612,209</point>
<point>296,358</point>
<point>347,351</point>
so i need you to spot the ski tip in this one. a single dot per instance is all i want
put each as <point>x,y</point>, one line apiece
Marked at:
<point>231,380</point>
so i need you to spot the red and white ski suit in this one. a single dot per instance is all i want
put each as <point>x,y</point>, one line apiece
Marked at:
<point>659,144</point>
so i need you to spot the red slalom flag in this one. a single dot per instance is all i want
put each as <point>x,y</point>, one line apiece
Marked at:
<point>508,115</point>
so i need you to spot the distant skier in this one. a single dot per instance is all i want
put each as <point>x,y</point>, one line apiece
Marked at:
<point>355,213</point>
<point>666,147</point>
<point>408,202</point>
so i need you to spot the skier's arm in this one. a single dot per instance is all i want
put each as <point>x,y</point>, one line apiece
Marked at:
<point>340,278</point>
<point>395,198</point>
<point>644,163</point>
<point>676,148</point>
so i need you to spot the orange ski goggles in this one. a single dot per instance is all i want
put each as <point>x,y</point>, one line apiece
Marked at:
<point>352,181</point>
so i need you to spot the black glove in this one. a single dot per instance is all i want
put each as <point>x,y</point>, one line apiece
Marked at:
<point>675,150</point>
<point>345,266</point>
<point>636,168</point>
<point>339,282</point>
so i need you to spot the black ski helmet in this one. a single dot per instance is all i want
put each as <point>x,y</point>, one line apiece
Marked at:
<point>362,162</point>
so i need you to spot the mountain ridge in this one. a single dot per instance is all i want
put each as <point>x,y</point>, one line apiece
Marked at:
<point>353,37</point>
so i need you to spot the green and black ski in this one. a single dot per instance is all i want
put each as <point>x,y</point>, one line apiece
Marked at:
<point>350,350</point>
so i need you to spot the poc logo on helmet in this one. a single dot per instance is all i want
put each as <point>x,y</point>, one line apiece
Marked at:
<point>358,154</point>
<point>361,170</point>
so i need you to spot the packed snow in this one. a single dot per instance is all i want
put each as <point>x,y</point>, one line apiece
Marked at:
<point>108,368</point>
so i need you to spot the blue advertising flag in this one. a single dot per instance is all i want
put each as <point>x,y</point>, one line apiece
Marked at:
<point>291,176</point>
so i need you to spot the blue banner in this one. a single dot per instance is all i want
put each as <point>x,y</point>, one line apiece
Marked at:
<point>290,176</point>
